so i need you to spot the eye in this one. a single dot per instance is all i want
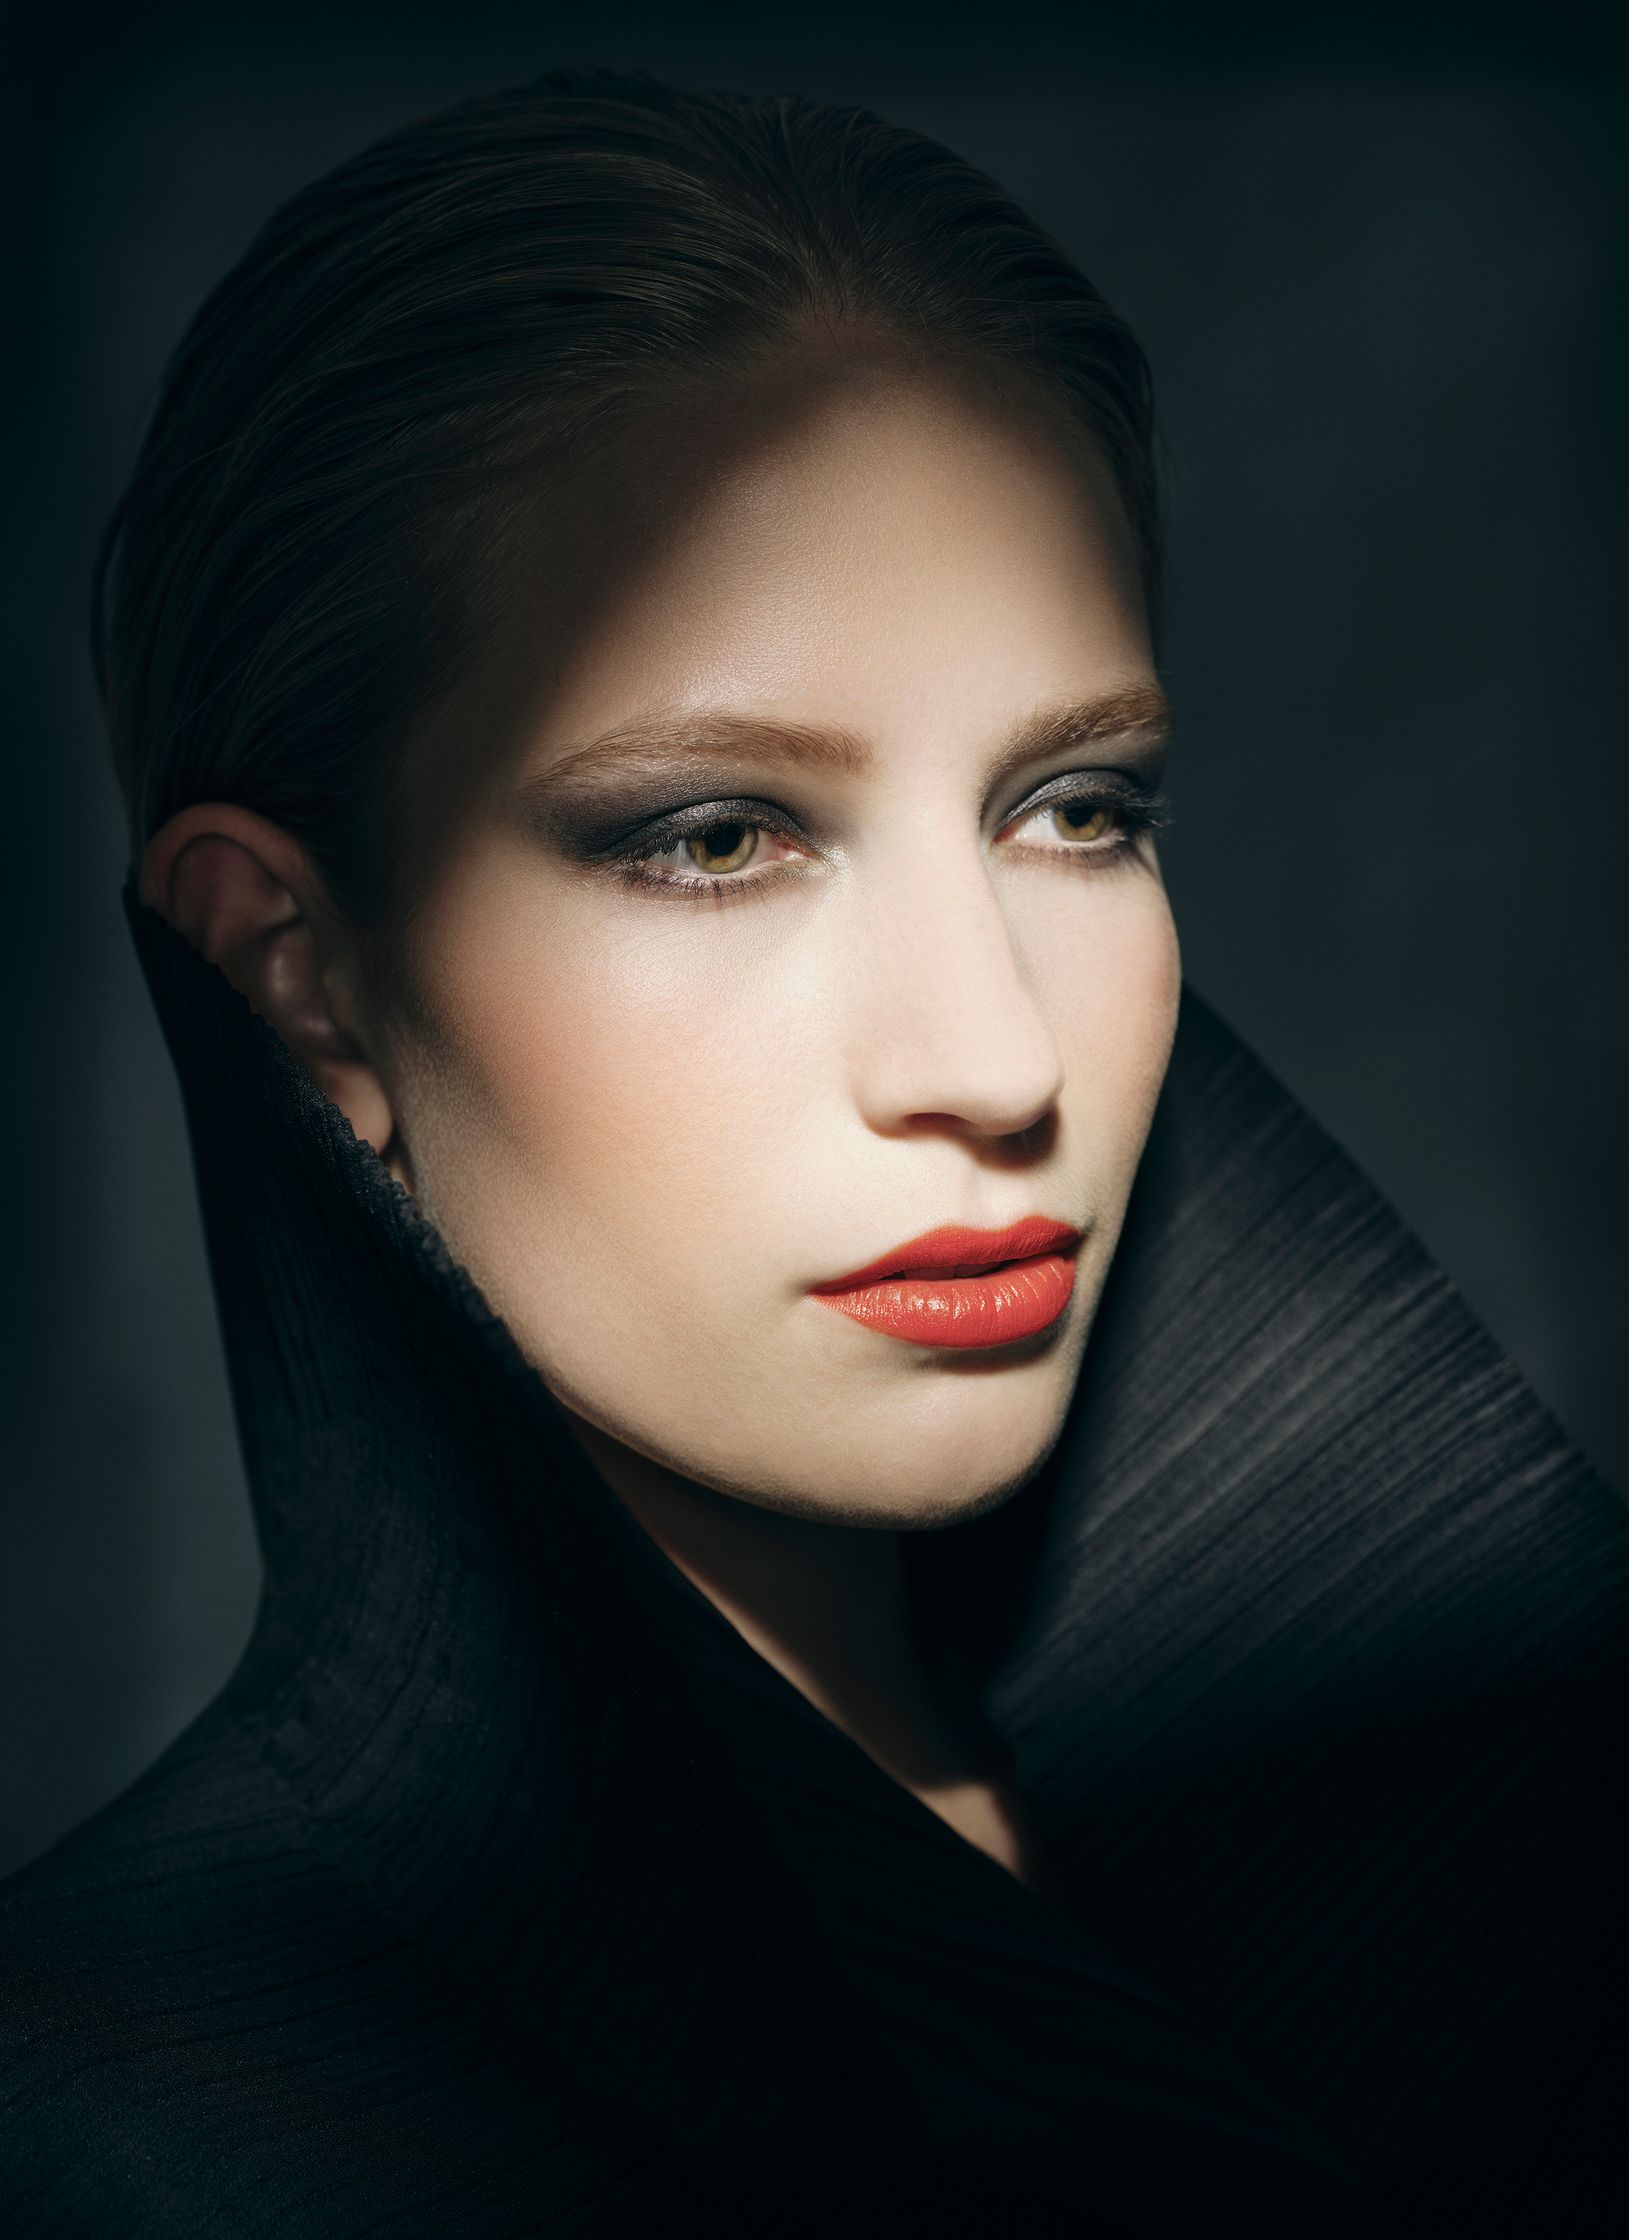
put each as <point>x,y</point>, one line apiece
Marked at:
<point>718,850</point>
<point>1090,823</point>
<point>725,851</point>
<point>727,846</point>
<point>1083,820</point>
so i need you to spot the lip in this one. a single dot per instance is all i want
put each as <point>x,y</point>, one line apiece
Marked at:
<point>954,1246</point>
<point>956,1286</point>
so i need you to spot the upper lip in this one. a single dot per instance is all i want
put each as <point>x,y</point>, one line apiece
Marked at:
<point>954,1245</point>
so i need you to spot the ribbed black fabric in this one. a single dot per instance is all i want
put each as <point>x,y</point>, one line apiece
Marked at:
<point>505,1890</point>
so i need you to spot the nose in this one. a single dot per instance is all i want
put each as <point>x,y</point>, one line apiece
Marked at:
<point>948,1028</point>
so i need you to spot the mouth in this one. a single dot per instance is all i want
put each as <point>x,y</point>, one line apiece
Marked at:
<point>956,1286</point>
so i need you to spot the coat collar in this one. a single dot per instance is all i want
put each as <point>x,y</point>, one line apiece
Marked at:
<point>1254,1637</point>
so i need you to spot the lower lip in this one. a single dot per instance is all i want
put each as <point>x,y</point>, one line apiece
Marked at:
<point>1016,1300</point>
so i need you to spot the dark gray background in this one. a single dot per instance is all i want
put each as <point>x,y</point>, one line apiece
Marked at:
<point>1380,270</point>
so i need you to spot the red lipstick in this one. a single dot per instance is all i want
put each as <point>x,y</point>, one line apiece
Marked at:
<point>956,1286</point>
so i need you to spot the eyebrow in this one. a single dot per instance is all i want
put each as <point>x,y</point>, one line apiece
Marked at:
<point>1137,715</point>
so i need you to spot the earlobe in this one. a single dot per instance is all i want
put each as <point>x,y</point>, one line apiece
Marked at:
<point>245,893</point>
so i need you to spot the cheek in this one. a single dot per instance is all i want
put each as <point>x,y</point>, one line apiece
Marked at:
<point>1112,994</point>
<point>604,1084</point>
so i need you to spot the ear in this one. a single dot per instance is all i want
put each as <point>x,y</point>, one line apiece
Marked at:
<point>247,895</point>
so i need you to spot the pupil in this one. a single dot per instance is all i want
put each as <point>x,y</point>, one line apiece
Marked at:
<point>732,834</point>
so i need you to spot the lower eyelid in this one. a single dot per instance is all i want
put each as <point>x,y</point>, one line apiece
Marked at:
<point>719,887</point>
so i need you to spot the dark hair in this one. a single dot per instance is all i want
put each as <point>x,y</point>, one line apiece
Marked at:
<point>304,557</point>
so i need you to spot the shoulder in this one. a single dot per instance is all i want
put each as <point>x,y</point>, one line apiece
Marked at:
<point>208,2028</point>
<point>131,1956</point>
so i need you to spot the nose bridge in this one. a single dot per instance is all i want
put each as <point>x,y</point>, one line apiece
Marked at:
<point>949,1024</point>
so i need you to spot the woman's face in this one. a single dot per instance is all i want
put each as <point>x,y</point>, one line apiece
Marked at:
<point>655,1072</point>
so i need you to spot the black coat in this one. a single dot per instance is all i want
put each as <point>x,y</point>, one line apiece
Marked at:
<point>505,1890</point>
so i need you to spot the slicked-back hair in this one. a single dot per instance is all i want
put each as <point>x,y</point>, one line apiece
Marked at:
<point>306,555</point>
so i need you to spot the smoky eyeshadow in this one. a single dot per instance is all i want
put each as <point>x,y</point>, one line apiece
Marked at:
<point>589,819</point>
<point>1124,789</point>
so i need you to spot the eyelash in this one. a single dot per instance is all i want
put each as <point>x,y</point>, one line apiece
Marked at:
<point>1135,814</point>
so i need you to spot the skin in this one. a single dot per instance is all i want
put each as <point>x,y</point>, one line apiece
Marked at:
<point>672,1114</point>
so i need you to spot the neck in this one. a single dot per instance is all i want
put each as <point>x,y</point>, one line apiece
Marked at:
<point>828,1605</point>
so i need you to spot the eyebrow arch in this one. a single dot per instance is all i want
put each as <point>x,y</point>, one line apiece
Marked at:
<point>1137,714</point>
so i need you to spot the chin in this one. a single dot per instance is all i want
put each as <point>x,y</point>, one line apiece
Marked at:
<point>950,1440</point>
<point>919,1481</point>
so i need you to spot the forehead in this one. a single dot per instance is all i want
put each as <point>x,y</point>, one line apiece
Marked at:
<point>903,552</point>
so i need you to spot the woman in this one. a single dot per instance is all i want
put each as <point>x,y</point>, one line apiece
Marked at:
<point>631,660</point>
